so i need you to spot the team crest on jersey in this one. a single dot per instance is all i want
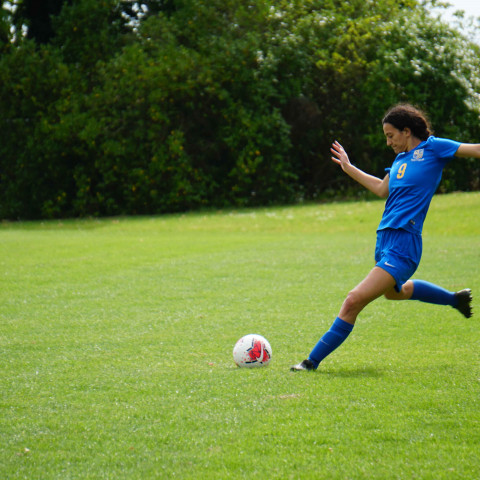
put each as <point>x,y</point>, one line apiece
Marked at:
<point>418,155</point>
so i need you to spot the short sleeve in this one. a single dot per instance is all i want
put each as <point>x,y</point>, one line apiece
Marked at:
<point>444,148</point>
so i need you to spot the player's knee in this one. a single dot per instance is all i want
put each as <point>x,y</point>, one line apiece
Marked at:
<point>353,303</point>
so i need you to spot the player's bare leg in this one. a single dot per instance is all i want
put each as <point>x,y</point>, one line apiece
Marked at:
<point>375,284</point>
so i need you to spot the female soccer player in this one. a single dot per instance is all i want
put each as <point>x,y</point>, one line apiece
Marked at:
<point>409,187</point>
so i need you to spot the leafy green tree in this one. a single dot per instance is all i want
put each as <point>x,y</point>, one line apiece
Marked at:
<point>89,31</point>
<point>169,105</point>
<point>181,124</point>
<point>34,177</point>
<point>37,16</point>
<point>42,95</point>
<point>139,11</point>
<point>5,24</point>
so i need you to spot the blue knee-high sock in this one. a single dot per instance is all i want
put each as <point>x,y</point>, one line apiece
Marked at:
<point>332,339</point>
<point>430,293</point>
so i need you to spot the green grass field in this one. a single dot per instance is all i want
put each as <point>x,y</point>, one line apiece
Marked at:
<point>116,340</point>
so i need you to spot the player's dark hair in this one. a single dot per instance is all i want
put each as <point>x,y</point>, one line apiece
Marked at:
<point>404,115</point>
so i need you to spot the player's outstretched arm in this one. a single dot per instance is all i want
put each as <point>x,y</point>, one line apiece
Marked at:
<point>468,150</point>
<point>374,184</point>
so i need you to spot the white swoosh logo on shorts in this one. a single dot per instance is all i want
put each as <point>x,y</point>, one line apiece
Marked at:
<point>389,265</point>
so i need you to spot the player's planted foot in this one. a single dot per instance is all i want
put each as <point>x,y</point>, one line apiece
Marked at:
<point>305,365</point>
<point>464,298</point>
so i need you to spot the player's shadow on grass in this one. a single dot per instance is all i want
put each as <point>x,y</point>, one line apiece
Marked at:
<point>354,372</point>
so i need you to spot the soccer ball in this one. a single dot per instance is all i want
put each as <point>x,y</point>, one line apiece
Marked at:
<point>252,351</point>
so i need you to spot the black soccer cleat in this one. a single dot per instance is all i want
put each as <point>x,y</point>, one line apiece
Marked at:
<point>305,365</point>
<point>464,298</point>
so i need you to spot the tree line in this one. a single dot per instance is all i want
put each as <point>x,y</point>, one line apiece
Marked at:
<point>113,107</point>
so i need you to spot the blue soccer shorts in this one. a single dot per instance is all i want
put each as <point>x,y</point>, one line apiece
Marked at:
<point>398,252</point>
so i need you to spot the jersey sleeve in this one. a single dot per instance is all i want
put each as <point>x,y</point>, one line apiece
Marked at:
<point>444,148</point>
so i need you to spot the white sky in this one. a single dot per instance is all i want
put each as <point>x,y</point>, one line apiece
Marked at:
<point>471,9</point>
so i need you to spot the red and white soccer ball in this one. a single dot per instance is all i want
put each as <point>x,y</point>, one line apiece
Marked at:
<point>252,351</point>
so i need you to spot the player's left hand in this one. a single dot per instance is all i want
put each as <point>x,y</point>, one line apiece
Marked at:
<point>340,155</point>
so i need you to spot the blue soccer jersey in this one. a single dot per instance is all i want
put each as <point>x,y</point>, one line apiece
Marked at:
<point>414,178</point>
